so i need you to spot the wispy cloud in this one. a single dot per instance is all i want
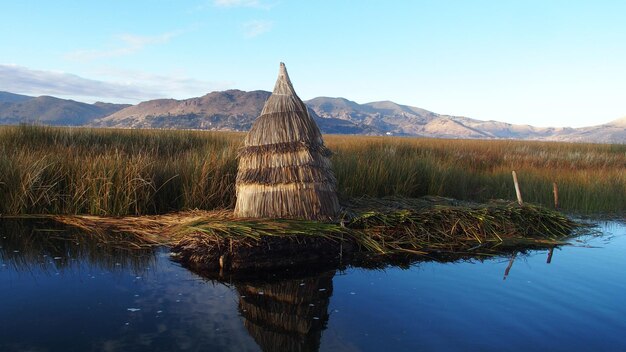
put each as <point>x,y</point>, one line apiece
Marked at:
<point>132,86</point>
<point>175,85</point>
<point>238,3</point>
<point>127,44</point>
<point>254,4</point>
<point>257,27</point>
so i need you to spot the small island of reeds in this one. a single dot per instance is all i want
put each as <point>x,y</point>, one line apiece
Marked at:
<point>370,230</point>
<point>419,197</point>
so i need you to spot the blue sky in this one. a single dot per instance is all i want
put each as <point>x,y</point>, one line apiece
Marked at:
<point>545,62</point>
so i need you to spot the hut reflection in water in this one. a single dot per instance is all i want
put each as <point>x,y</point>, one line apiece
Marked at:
<point>287,315</point>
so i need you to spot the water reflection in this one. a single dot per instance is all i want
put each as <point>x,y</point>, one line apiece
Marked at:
<point>280,312</point>
<point>287,315</point>
<point>45,246</point>
<point>64,290</point>
<point>459,305</point>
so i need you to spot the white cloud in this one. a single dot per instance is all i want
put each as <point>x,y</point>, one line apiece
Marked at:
<point>256,4</point>
<point>257,27</point>
<point>132,86</point>
<point>128,44</point>
<point>237,3</point>
<point>175,85</point>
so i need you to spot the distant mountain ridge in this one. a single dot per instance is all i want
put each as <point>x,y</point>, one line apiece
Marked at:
<point>6,97</point>
<point>233,110</point>
<point>16,109</point>
<point>396,119</point>
<point>236,110</point>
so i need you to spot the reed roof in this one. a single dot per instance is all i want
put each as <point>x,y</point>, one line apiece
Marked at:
<point>284,170</point>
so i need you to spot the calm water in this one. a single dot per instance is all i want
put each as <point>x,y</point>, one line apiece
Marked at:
<point>60,294</point>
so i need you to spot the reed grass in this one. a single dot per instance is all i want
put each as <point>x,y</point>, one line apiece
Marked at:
<point>207,243</point>
<point>382,228</point>
<point>591,177</point>
<point>411,230</point>
<point>46,170</point>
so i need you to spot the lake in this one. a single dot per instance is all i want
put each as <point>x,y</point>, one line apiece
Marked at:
<point>65,292</point>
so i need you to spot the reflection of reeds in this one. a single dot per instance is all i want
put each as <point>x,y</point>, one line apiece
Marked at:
<point>125,172</point>
<point>45,245</point>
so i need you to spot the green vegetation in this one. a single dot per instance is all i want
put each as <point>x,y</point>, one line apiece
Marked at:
<point>439,228</point>
<point>591,178</point>
<point>210,243</point>
<point>373,230</point>
<point>114,172</point>
<point>46,170</point>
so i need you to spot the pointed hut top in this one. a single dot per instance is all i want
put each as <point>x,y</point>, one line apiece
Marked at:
<point>283,84</point>
<point>284,118</point>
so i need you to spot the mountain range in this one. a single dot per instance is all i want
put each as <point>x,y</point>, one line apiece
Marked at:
<point>47,110</point>
<point>236,110</point>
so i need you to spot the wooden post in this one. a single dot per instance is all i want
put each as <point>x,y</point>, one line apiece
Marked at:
<point>555,191</point>
<point>517,191</point>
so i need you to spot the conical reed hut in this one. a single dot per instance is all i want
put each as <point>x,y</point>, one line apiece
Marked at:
<point>284,170</point>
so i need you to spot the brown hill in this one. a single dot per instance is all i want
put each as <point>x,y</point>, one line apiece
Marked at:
<point>6,97</point>
<point>53,111</point>
<point>612,132</point>
<point>233,110</point>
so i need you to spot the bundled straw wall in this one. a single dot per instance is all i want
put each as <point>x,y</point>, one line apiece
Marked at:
<point>284,170</point>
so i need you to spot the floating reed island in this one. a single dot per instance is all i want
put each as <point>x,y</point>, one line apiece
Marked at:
<point>285,174</point>
<point>287,211</point>
<point>369,230</point>
<point>372,230</point>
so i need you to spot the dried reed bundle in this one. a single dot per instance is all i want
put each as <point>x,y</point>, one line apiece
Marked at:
<point>284,171</point>
<point>381,228</point>
<point>384,229</point>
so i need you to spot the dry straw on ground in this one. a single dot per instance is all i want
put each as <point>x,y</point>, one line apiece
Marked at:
<point>284,171</point>
<point>382,229</point>
<point>376,227</point>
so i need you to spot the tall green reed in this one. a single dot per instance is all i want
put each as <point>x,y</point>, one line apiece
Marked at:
<point>122,172</point>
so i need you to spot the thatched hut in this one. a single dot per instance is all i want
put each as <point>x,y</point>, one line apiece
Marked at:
<point>284,170</point>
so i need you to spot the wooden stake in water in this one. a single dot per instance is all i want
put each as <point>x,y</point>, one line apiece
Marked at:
<point>517,191</point>
<point>555,191</point>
